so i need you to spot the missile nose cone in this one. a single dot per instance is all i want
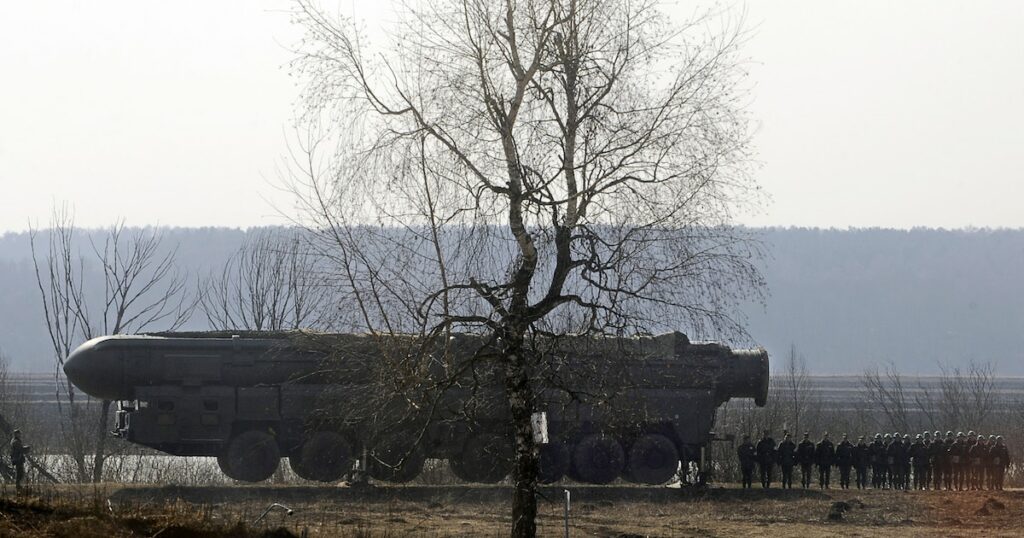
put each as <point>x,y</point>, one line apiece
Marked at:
<point>96,370</point>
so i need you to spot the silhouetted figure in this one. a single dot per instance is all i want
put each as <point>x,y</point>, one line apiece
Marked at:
<point>766,458</point>
<point>18,453</point>
<point>748,456</point>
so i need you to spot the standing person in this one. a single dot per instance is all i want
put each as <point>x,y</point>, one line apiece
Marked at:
<point>844,460</point>
<point>18,452</point>
<point>919,459</point>
<point>787,459</point>
<point>947,459</point>
<point>905,461</point>
<point>935,454</point>
<point>990,472</point>
<point>957,456</point>
<point>747,455</point>
<point>926,478</point>
<point>766,458</point>
<point>861,459</point>
<point>805,457</point>
<point>892,460</point>
<point>1000,461</point>
<point>976,454</point>
<point>825,455</point>
<point>877,450</point>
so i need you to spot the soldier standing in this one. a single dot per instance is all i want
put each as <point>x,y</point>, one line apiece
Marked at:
<point>976,454</point>
<point>905,461</point>
<point>805,457</point>
<point>1000,461</point>
<point>935,455</point>
<point>18,452</point>
<point>787,459</point>
<point>844,460</point>
<point>990,472</point>
<point>957,455</point>
<point>926,477</point>
<point>892,460</point>
<point>861,459</point>
<point>947,461</point>
<point>919,459</point>
<point>766,458</point>
<point>825,454</point>
<point>877,450</point>
<point>747,455</point>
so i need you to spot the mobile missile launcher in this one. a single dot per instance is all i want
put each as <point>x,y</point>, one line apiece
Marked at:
<point>251,399</point>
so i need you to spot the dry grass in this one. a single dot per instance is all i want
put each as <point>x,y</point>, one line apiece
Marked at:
<point>84,512</point>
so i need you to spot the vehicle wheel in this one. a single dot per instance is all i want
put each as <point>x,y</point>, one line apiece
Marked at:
<point>598,459</point>
<point>653,459</point>
<point>250,456</point>
<point>554,462</point>
<point>395,459</point>
<point>485,458</point>
<point>324,457</point>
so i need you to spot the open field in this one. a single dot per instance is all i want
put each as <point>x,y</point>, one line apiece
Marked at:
<point>111,511</point>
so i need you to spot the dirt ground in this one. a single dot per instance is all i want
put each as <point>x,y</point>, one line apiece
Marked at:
<point>110,511</point>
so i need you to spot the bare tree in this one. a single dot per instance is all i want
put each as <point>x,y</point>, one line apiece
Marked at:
<point>965,399</point>
<point>523,170</point>
<point>886,392</point>
<point>795,390</point>
<point>270,284</point>
<point>141,289</point>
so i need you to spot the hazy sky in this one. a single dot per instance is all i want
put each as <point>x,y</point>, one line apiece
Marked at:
<point>869,113</point>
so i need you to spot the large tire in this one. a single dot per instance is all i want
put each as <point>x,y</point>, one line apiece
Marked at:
<point>324,457</point>
<point>485,458</point>
<point>250,456</point>
<point>653,459</point>
<point>598,459</point>
<point>554,462</point>
<point>395,459</point>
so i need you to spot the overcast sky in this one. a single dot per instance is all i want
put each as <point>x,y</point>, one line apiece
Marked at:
<point>869,113</point>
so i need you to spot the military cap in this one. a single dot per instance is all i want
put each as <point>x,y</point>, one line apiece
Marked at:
<point>991,437</point>
<point>906,436</point>
<point>878,436</point>
<point>949,434</point>
<point>971,433</point>
<point>887,436</point>
<point>918,436</point>
<point>939,434</point>
<point>999,438</point>
<point>959,434</point>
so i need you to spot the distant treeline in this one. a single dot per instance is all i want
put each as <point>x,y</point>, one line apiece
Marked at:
<point>848,299</point>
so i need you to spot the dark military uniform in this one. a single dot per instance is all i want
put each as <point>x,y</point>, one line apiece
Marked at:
<point>893,457</point>
<point>905,462</point>
<point>18,452</point>
<point>861,460</point>
<point>787,459</point>
<point>919,459</point>
<point>805,457</point>
<point>936,452</point>
<point>877,451</point>
<point>1000,461</point>
<point>748,456</point>
<point>957,457</point>
<point>766,459</point>
<point>978,454</point>
<point>947,464</point>
<point>844,460</point>
<point>825,456</point>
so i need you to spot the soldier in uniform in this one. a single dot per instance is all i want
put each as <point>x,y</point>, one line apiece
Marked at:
<point>977,454</point>
<point>748,456</point>
<point>935,454</point>
<point>844,460</point>
<point>805,457</point>
<point>990,472</point>
<point>825,455</point>
<point>947,458</point>
<point>919,460</point>
<point>877,449</point>
<point>18,453</point>
<point>787,459</point>
<point>957,457</point>
<point>861,460</point>
<point>905,462</point>
<point>766,458</point>
<point>1000,461</point>
<point>892,461</point>
<point>926,477</point>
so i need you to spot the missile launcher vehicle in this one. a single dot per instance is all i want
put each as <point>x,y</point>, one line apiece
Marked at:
<point>629,408</point>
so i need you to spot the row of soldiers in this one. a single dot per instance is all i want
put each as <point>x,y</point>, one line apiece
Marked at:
<point>894,461</point>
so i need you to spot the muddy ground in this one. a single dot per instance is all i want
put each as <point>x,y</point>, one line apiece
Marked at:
<point>110,511</point>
